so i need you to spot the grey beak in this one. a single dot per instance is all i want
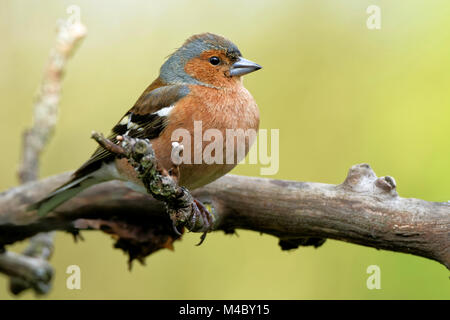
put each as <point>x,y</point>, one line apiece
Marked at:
<point>243,66</point>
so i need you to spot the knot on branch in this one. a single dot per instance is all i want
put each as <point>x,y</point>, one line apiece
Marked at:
<point>361,178</point>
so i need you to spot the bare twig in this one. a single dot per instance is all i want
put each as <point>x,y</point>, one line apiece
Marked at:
<point>27,272</point>
<point>70,33</point>
<point>47,100</point>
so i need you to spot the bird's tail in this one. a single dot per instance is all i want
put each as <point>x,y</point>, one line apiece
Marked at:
<point>62,194</point>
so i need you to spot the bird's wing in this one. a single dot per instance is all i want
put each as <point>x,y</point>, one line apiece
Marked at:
<point>146,119</point>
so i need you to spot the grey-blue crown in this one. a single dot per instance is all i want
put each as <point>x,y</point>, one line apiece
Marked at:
<point>172,71</point>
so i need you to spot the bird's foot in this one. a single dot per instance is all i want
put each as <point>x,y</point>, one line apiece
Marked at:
<point>198,217</point>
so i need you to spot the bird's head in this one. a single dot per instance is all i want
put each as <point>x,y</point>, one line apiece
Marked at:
<point>206,59</point>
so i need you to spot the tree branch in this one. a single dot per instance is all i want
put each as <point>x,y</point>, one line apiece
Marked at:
<point>365,210</point>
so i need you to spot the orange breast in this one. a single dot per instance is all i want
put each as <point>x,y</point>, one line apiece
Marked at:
<point>219,109</point>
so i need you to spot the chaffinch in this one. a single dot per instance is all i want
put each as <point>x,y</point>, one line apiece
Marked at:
<point>201,81</point>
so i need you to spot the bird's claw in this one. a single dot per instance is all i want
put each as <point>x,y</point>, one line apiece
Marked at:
<point>202,238</point>
<point>207,219</point>
<point>200,220</point>
<point>175,229</point>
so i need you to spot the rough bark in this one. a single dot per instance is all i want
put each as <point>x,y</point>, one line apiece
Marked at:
<point>364,209</point>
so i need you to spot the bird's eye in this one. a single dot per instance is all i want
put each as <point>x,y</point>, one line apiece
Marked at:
<point>214,60</point>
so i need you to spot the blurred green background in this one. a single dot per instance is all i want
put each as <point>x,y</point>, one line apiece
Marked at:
<point>339,93</point>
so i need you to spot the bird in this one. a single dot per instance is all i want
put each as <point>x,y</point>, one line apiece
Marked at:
<point>200,81</point>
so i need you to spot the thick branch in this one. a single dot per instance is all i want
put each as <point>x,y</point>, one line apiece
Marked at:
<point>364,210</point>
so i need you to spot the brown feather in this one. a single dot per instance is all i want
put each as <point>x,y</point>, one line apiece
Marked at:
<point>147,104</point>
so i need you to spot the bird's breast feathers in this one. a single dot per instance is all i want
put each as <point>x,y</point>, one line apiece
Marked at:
<point>208,108</point>
<point>212,108</point>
